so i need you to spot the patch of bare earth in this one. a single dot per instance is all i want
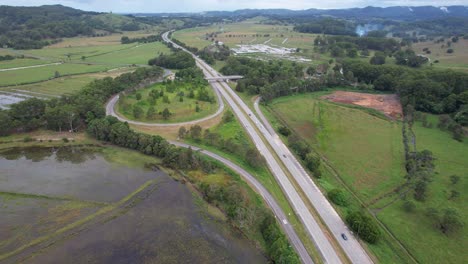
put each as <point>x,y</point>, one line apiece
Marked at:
<point>389,104</point>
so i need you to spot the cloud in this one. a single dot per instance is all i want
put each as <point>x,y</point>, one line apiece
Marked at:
<point>154,6</point>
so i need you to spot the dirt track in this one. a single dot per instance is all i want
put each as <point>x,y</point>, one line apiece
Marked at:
<point>389,104</point>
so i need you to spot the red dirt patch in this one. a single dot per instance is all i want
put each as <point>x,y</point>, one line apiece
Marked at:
<point>389,104</point>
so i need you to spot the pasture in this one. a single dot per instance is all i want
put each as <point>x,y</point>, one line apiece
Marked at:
<point>456,60</point>
<point>366,150</point>
<point>414,229</point>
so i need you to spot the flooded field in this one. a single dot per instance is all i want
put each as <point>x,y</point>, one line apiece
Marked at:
<point>125,215</point>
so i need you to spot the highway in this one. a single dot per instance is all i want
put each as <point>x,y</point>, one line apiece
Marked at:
<point>324,246</point>
<point>351,247</point>
<point>277,211</point>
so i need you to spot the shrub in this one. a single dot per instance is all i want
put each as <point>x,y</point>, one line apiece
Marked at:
<point>65,140</point>
<point>338,197</point>
<point>363,226</point>
<point>28,139</point>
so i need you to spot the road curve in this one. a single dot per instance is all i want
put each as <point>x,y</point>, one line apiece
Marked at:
<point>277,211</point>
<point>319,238</point>
<point>352,248</point>
<point>110,110</point>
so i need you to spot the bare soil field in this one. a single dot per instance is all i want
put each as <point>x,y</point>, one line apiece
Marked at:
<point>389,104</point>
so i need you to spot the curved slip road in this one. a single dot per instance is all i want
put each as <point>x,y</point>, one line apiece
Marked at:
<point>110,110</point>
<point>353,250</point>
<point>277,211</point>
<point>319,238</point>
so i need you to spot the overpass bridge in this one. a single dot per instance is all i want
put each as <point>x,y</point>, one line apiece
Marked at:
<point>223,78</point>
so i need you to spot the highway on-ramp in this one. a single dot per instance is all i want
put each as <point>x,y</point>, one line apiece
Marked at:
<point>277,211</point>
<point>110,110</point>
<point>265,143</point>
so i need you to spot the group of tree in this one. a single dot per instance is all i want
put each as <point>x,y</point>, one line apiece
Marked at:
<point>341,46</point>
<point>427,90</point>
<point>72,112</point>
<point>212,53</point>
<point>364,226</point>
<point>36,27</point>
<point>327,26</point>
<point>148,39</point>
<point>311,160</point>
<point>260,76</point>
<point>237,145</point>
<point>7,58</point>
<point>176,60</point>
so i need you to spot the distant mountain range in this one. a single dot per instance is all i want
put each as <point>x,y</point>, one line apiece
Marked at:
<point>406,13</point>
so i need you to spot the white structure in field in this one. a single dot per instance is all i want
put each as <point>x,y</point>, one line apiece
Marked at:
<point>262,48</point>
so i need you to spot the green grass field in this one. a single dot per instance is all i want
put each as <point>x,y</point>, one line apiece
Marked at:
<point>21,63</point>
<point>31,75</point>
<point>366,150</point>
<point>62,85</point>
<point>367,153</point>
<point>456,61</point>
<point>139,54</point>
<point>414,229</point>
<point>181,111</point>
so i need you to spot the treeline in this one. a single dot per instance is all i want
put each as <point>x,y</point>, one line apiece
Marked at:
<point>36,27</point>
<point>262,77</point>
<point>7,57</point>
<point>70,113</point>
<point>343,45</point>
<point>327,26</point>
<point>214,52</point>
<point>148,39</point>
<point>176,60</point>
<point>428,90</point>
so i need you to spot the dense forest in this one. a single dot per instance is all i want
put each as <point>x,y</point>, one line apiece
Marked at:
<point>327,26</point>
<point>176,60</point>
<point>36,27</point>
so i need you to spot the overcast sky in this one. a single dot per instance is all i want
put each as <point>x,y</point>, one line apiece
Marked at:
<point>156,6</point>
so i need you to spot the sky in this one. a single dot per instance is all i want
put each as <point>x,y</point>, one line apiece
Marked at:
<point>161,6</point>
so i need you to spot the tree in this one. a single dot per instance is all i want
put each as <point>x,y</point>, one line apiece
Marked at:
<point>450,51</point>
<point>313,164</point>
<point>451,221</point>
<point>284,131</point>
<point>420,190</point>
<point>352,53</point>
<point>385,82</point>
<point>138,96</point>
<point>254,158</point>
<point>6,124</point>
<point>197,108</point>
<point>182,132</point>
<point>363,226</point>
<point>454,179</point>
<point>195,132</point>
<point>409,206</point>
<point>338,197</point>
<point>137,111</point>
<point>378,58</point>
<point>166,114</point>
<point>228,117</point>
<point>151,113</point>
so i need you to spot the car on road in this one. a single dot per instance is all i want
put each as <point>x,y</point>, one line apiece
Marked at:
<point>344,236</point>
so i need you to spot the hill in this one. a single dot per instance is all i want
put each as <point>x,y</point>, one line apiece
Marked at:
<point>36,27</point>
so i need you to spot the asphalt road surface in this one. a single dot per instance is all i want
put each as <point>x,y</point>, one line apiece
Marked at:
<point>110,110</point>
<point>277,211</point>
<point>351,247</point>
<point>319,238</point>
